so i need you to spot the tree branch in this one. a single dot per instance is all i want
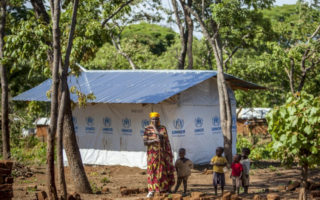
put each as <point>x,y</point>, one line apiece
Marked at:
<point>115,12</point>
<point>40,10</point>
<point>236,48</point>
<point>315,33</point>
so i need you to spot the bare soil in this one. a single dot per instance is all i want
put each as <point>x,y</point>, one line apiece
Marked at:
<point>261,180</point>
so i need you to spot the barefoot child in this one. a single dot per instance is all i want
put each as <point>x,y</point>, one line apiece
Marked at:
<point>246,169</point>
<point>183,167</point>
<point>236,172</point>
<point>218,163</point>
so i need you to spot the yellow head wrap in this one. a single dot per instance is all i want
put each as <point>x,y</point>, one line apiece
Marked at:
<point>155,114</point>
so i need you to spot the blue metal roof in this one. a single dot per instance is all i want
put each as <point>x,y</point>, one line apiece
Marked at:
<point>128,86</point>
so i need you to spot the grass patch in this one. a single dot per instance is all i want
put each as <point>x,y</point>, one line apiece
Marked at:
<point>105,180</point>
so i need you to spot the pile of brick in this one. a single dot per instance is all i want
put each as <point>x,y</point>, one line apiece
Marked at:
<point>6,181</point>
<point>193,196</point>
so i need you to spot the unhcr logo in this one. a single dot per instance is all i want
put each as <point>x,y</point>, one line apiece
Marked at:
<point>178,124</point>
<point>107,123</point>
<point>145,123</point>
<point>90,121</point>
<point>216,124</point>
<point>216,121</point>
<point>198,123</point>
<point>126,123</point>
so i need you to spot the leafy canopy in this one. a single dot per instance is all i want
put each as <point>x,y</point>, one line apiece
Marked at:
<point>295,129</point>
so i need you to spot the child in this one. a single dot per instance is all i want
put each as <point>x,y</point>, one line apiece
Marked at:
<point>236,172</point>
<point>218,163</point>
<point>246,168</point>
<point>183,166</point>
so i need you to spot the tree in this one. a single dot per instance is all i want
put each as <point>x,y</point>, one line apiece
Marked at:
<point>295,128</point>
<point>63,103</point>
<point>37,32</point>
<point>295,51</point>
<point>186,34</point>
<point>212,16</point>
<point>51,185</point>
<point>4,87</point>
<point>124,15</point>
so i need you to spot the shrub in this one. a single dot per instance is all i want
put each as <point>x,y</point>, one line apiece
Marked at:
<point>242,142</point>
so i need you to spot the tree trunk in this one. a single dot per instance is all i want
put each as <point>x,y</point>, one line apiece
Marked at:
<point>239,111</point>
<point>54,101</point>
<point>41,13</point>
<point>303,183</point>
<point>79,177</point>
<point>302,81</point>
<point>4,87</point>
<point>290,74</point>
<point>183,37</point>
<point>40,10</point>
<point>209,60</point>
<point>224,101</point>
<point>82,184</point>
<point>63,105</point>
<point>189,23</point>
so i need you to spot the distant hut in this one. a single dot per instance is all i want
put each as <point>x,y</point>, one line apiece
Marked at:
<point>257,121</point>
<point>42,125</point>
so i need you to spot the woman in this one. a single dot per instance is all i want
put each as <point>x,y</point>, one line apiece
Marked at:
<point>159,157</point>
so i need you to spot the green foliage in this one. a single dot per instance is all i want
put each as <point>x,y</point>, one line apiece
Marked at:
<point>94,187</point>
<point>33,156</point>
<point>295,130</point>
<point>156,37</point>
<point>242,142</point>
<point>272,168</point>
<point>94,174</point>
<point>269,64</point>
<point>258,152</point>
<point>105,180</point>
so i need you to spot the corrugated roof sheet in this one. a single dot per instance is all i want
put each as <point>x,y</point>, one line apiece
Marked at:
<point>250,113</point>
<point>128,86</point>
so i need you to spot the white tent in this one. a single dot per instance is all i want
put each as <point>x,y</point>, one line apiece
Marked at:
<point>109,131</point>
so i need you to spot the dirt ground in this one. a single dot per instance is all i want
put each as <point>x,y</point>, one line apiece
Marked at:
<point>262,178</point>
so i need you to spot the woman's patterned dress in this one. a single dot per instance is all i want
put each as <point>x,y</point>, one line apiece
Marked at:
<point>160,167</point>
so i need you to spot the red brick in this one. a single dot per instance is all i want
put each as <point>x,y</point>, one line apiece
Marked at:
<point>293,186</point>
<point>8,194</point>
<point>6,187</point>
<point>197,194</point>
<point>42,195</point>
<point>5,172</point>
<point>2,178</point>
<point>273,197</point>
<point>8,164</point>
<point>315,194</point>
<point>9,180</point>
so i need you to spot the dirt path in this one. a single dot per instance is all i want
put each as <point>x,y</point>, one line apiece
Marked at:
<point>116,176</point>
